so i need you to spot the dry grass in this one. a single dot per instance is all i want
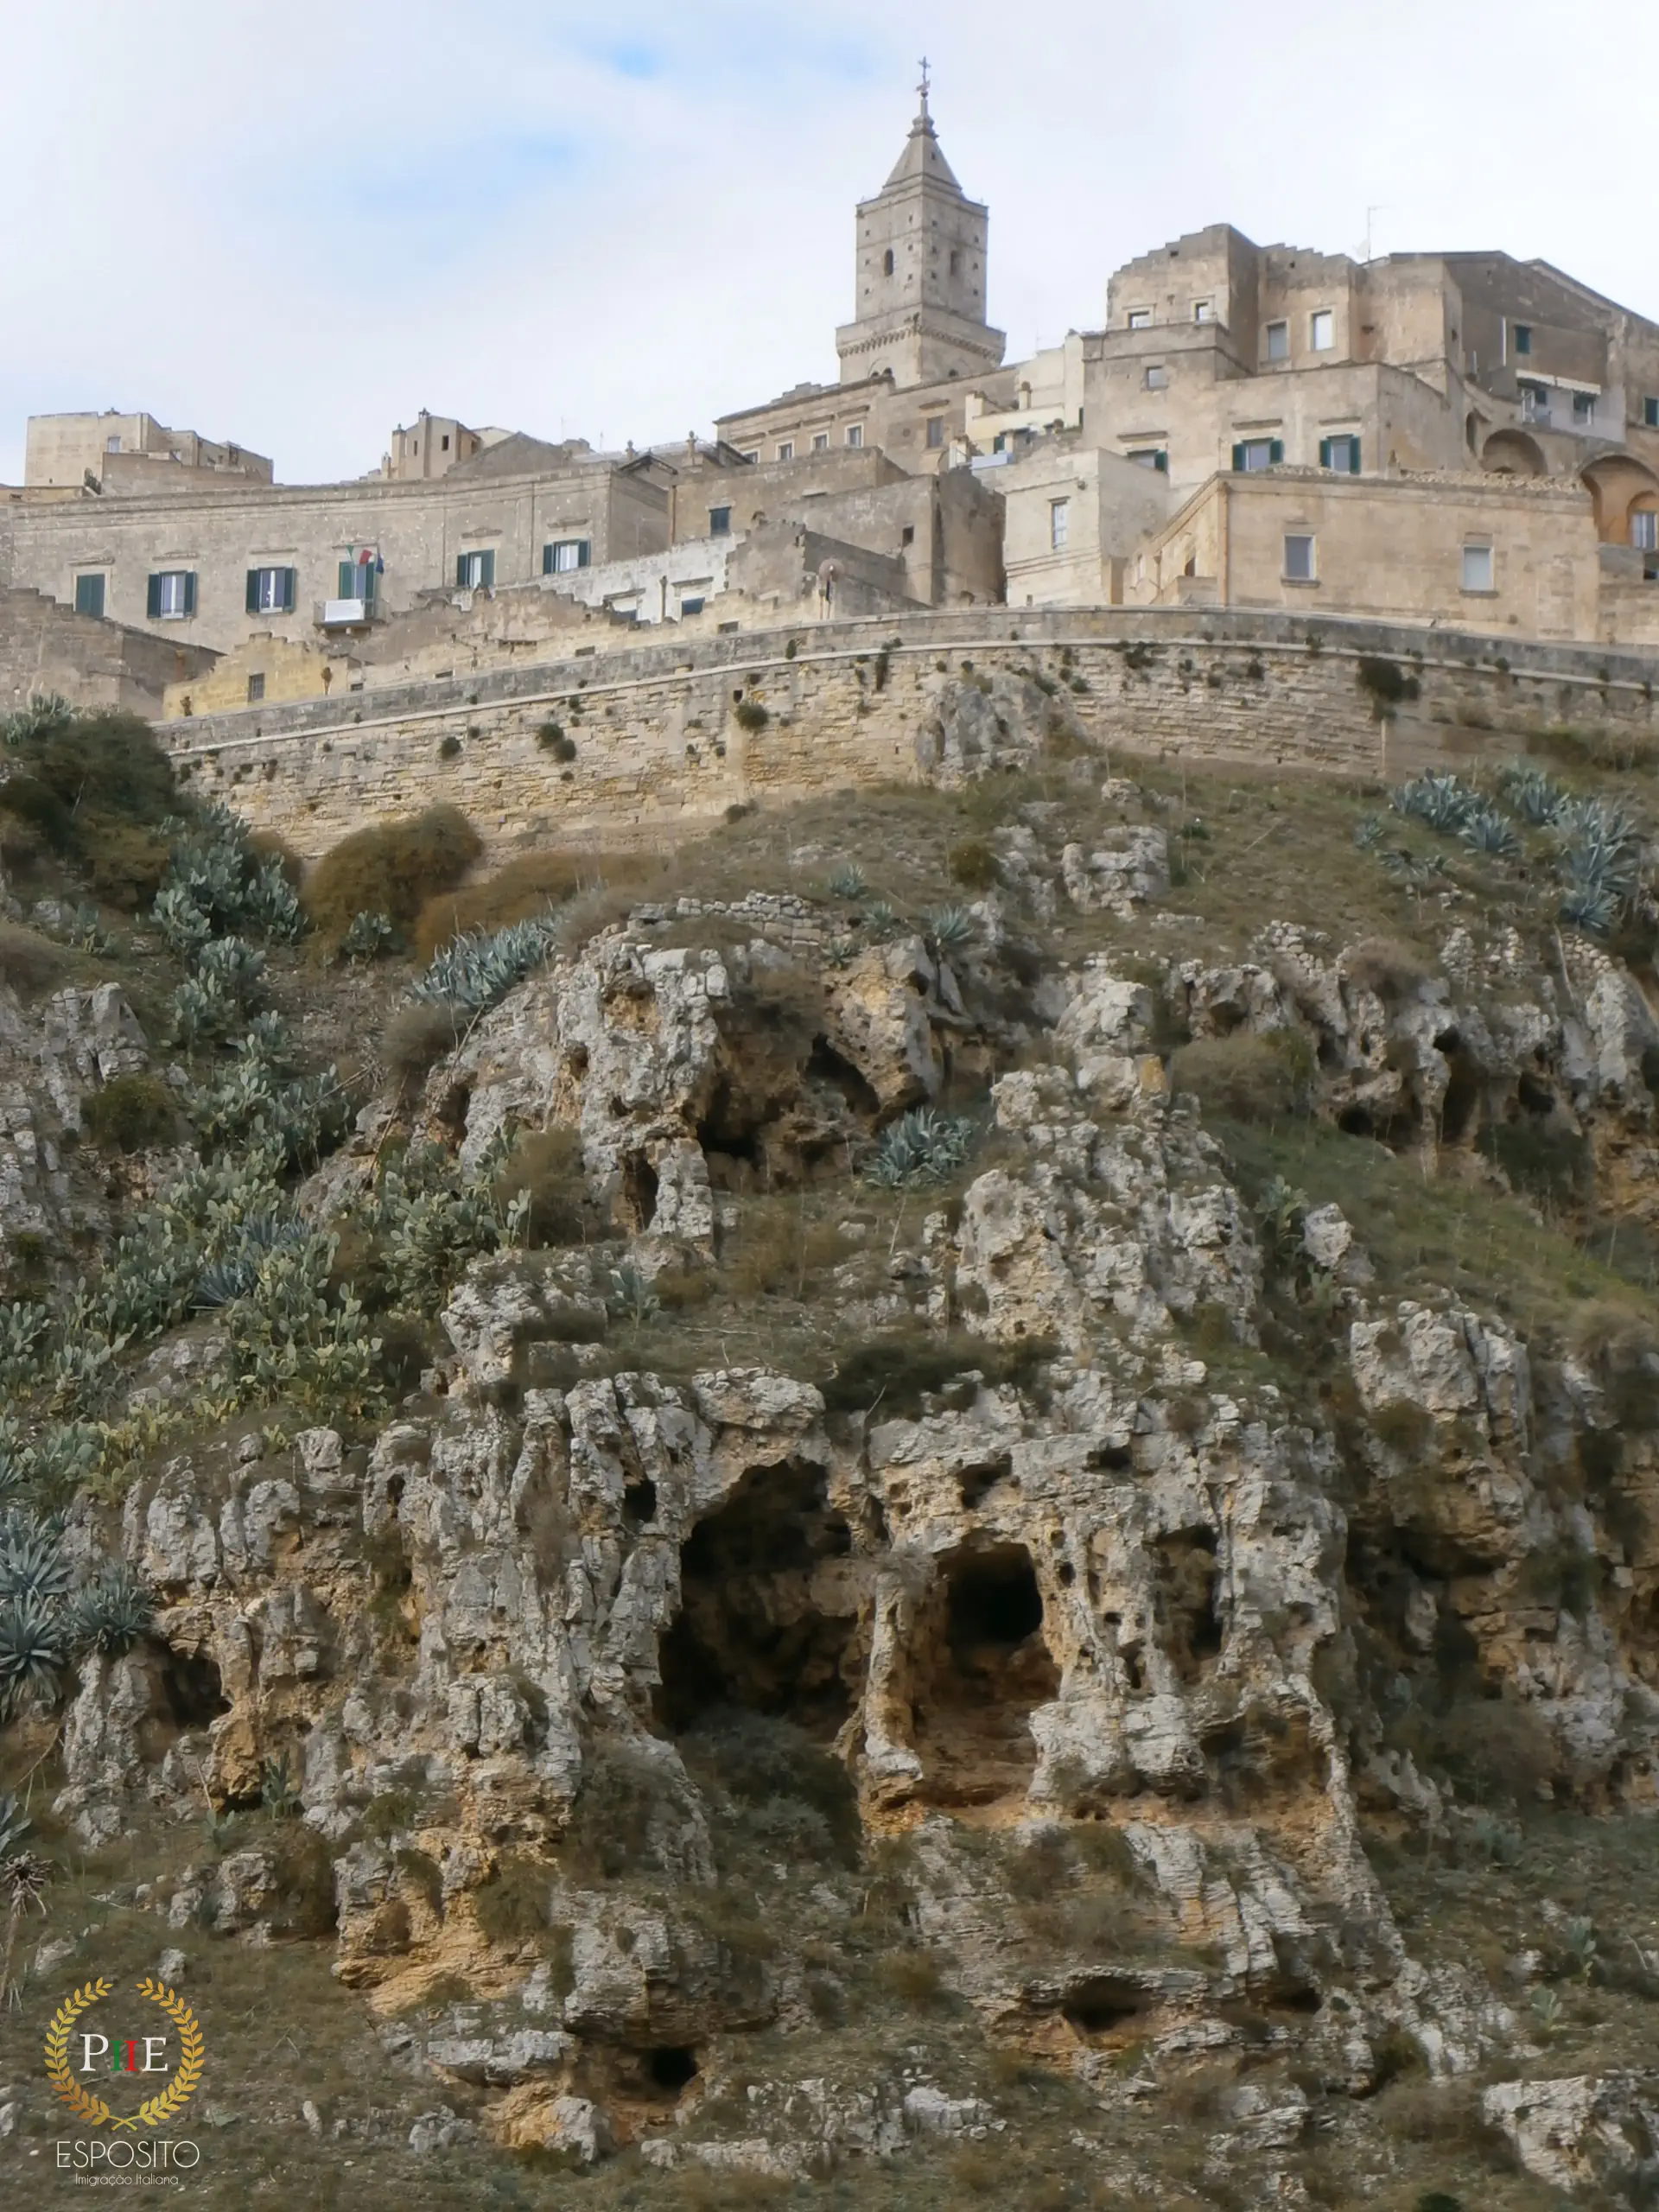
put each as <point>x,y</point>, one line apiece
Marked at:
<point>545,1165</point>
<point>533,883</point>
<point>393,869</point>
<point>1243,1076</point>
<point>30,962</point>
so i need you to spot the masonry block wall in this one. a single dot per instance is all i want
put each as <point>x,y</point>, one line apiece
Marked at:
<point>45,647</point>
<point>667,737</point>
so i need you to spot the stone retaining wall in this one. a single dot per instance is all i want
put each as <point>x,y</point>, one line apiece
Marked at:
<point>668,736</point>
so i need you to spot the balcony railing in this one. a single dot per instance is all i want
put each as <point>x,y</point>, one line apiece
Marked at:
<point>346,614</point>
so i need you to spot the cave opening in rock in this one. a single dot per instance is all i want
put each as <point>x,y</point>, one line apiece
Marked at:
<point>982,1669</point>
<point>826,1067</point>
<point>768,1613</point>
<point>1185,1581</point>
<point>670,2066</point>
<point>639,1502</point>
<point>190,1681</point>
<point>1460,1108</point>
<point>1102,2005</point>
<point>638,1192</point>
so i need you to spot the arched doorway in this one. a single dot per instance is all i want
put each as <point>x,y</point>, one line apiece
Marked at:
<point>1626,494</point>
<point>1512,453</point>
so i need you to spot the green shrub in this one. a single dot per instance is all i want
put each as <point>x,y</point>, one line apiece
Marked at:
<point>551,739</point>
<point>895,1370</point>
<point>523,890</point>
<point>132,1113</point>
<point>126,862</point>
<point>392,868</point>
<point>513,1904</point>
<point>1244,1077</point>
<point>972,863</point>
<point>1386,680</point>
<point>750,714</point>
<point>544,1170</point>
<point>419,1032</point>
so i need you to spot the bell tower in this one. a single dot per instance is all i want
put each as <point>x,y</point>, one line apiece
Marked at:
<point>921,262</point>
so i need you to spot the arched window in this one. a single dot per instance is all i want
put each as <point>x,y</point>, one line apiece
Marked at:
<point>955,262</point>
<point>886,262</point>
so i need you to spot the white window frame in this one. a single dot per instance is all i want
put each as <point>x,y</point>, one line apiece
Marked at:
<point>172,594</point>
<point>272,592</point>
<point>753,458</point>
<point>1277,334</point>
<point>1583,409</point>
<point>1309,573</point>
<point>1203,310</point>
<point>785,449</point>
<point>820,441</point>
<point>1480,561</point>
<point>855,433</point>
<point>1060,525</point>
<point>1157,376</point>
<point>1139,319</point>
<point>1645,530</point>
<point>473,570</point>
<point>934,434</point>
<point>1246,446</point>
<point>1326,317</point>
<point>567,556</point>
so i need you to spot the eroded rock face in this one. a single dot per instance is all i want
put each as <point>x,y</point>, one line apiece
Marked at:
<point>50,1058</point>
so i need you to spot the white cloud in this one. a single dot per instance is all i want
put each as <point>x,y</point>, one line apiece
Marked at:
<point>296,226</point>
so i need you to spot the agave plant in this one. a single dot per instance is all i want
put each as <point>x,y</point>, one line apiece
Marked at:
<point>950,927</point>
<point>34,1649</point>
<point>1590,907</point>
<point>45,712</point>
<point>479,966</point>
<point>1537,798</point>
<point>847,880</point>
<point>1440,803</point>
<point>1282,1210</point>
<point>921,1147</point>
<point>369,936</point>
<point>32,1564</point>
<point>112,1612</point>
<point>1370,831</point>
<point>1485,831</point>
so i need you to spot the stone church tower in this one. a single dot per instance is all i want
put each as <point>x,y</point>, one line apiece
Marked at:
<point>921,275</point>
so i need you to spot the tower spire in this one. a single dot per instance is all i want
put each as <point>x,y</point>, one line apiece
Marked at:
<point>927,79</point>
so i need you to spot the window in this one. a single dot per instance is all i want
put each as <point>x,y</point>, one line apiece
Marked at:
<point>1203,310</point>
<point>270,591</point>
<point>1059,523</point>
<point>786,449</point>
<point>720,521</point>
<point>753,458</point>
<point>886,262</point>
<point>1535,404</point>
<point>1157,376</point>
<point>692,606</point>
<point>1254,453</point>
<point>89,596</point>
<point>1150,457</point>
<point>1650,413</point>
<point>907,535</point>
<point>1583,409</point>
<point>446,442</point>
<point>172,595</point>
<point>1322,330</point>
<point>855,433</point>
<point>1278,342</point>
<point>1140,318</point>
<point>1299,557</point>
<point>1340,452</point>
<point>475,571</point>
<point>936,430</point>
<point>1477,567</point>
<point>255,688</point>
<point>1645,530</point>
<point>1523,338</point>
<point>112,445</point>
<point>565,553</point>
<point>357,582</point>
<point>820,441</point>
<point>955,261</point>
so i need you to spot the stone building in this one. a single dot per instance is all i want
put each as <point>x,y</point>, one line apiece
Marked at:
<point>123,452</point>
<point>919,340</point>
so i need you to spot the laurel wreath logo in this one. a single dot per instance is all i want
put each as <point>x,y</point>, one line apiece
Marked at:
<point>86,2103</point>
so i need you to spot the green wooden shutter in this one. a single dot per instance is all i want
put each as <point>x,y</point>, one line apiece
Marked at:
<point>253,591</point>
<point>547,560</point>
<point>1275,452</point>
<point>1238,457</point>
<point>153,605</point>
<point>584,553</point>
<point>1353,456</point>
<point>347,584</point>
<point>461,571</point>
<point>487,578</point>
<point>1160,461</point>
<point>190,591</point>
<point>291,589</point>
<point>1325,452</point>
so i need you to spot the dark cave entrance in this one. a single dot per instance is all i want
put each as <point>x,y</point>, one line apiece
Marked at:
<point>982,1669</point>
<point>754,1630</point>
<point>196,1696</point>
<point>1185,1579</point>
<point>637,1193</point>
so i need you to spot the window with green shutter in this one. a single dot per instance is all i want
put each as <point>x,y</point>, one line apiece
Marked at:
<point>567,553</point>
<point>475,571</point>
<point>1340,453</point>
<point>1254,453</point>
<point>270,591</point>
<point>89,596</point>
<point>172,595</point>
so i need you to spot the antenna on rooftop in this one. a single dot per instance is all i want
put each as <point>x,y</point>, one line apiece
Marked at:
<point>1381,208</point>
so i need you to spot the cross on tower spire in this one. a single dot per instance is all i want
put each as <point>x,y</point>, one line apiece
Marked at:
<point>927,80</point>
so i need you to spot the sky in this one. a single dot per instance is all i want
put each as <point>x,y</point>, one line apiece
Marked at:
<point>296,226</point>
